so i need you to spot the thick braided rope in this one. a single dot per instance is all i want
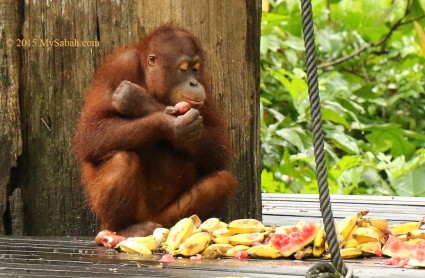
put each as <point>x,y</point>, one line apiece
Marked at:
<point>316,115</point>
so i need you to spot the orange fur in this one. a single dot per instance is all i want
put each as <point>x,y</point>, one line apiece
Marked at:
<point>134,175</point>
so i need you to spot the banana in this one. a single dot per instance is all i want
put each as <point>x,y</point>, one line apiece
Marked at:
<point>381,224</point>
<point>212,252</point>
<point>222,225</point>
<point>232,251</point>
<point>363,235</point>
<point>417,234</point>
<point>246,239</point>
<point>223,247</point>
<point>133,247</point>
<point>148,241</point>
<point>222,232</point>
<point>403,237</point>
<point>370,248</point>
<point>319,243</point>
<point>178,233</point>
<point>196,220</point>
<point>193,245</point>
<point>197,230</point>
<point>345,226</point>
<point>245,226</point>
<point>210,225</point>
<point>351,243</point>
<point>263,251</point>
<point>161,234</point>
<point>216,250</point>
<point>415,241</point>
<point>348,253</point>
<point>406,227</point>
<point>221,240</point>
<point>340,239</point>
<point>268,230</point>
<point>350,234</point>
<point>380,234</point>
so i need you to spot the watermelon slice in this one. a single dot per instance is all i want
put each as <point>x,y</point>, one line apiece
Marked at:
<point>395,247</point>
<point>295,238</point>
<point>414,253</point>
<point>419,258</point>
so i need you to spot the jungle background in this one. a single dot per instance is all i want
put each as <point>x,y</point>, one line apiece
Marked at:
<point>371,73</point>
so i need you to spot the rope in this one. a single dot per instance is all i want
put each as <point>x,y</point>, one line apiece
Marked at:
<point>319,153</point>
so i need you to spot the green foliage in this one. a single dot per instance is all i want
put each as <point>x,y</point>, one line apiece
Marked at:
<point>371,72</point>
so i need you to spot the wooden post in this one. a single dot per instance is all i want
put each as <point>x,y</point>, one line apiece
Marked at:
<point>54,80</point>
<point>10,125</point>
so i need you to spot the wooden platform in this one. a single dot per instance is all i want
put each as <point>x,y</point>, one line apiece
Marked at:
<point>80,257</point>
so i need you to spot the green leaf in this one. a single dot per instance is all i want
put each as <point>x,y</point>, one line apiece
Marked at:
<point>392,139</point>
<point>411,184</point>
<point>292,135</point>
<point>342,140</point>
<point>334,116</point>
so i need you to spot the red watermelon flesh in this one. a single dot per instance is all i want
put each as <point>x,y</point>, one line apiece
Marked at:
<point>395,247</point>
<point>414,254</point>
<point>419,258</point>
<point>295,239</point>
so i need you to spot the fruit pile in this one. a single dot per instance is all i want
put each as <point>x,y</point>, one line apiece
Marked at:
<point>243,238</point>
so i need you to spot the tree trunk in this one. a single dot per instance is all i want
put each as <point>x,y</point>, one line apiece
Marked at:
<point>53,80</point>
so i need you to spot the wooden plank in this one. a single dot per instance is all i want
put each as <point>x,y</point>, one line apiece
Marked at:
<point>70,257</point>
<point>347,207</point>
<point>286,209</point>
<point>420,201</point>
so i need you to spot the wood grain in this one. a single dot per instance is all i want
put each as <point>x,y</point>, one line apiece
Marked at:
<point>46,86</point>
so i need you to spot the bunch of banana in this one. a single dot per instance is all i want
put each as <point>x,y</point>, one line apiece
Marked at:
<point>213,238</point>
<point>366,238</point>
<point>345,227</point>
